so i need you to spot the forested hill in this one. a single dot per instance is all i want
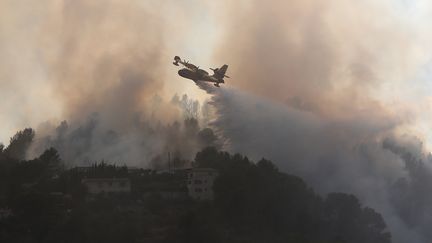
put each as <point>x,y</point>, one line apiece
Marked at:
<point>254,202</point>
<point>258,203</point>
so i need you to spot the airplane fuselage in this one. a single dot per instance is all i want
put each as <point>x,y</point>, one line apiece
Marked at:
<point>187,73</point>
<point>198,75</point>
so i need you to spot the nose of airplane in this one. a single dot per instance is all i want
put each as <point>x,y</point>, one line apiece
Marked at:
<point>181,72</point>
<point>185,73</point>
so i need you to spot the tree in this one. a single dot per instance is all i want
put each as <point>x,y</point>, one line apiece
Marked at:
<point>267,166</point>
<point>209,157</point>
<point>207,138</point>
<point>344,218</point>
<point>51,159</point>
<point>261,204</point>
<point>19,144</point>
<point>191,127</point>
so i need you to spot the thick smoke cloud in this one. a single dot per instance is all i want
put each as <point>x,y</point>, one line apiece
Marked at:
<point>315,80</point>
<point>144,144</point>
<point>358,156</point>
<point>107,59</point>
<point>101,67</point>
<point>410,195</point>
<point>334,58</point>
<point>65,59</point>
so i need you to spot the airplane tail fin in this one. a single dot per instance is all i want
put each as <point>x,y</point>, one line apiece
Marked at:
<point>219,73</point>
<point>223,69</point>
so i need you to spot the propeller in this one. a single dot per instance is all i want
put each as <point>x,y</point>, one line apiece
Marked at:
<point>177,59</point>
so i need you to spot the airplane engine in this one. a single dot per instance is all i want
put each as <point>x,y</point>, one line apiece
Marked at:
<point>176,60</point>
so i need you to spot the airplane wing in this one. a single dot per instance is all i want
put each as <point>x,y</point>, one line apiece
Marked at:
<point>208,78</point>
<point>178,60</point>
<point>196,74</point>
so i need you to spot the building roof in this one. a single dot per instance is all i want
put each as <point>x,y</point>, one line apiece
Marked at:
<point>203,170</point>
<point>105,179</point>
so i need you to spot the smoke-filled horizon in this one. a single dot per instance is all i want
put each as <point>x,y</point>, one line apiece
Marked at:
<point>355,156</point>
<point>337,92</point>
<point>65,60</point>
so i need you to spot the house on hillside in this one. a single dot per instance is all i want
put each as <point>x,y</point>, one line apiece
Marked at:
<point>200,183</point>
<point>82,169</point>
<point>107,185</point>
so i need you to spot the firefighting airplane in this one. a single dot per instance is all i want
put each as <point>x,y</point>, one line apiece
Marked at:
<point>196,74</point>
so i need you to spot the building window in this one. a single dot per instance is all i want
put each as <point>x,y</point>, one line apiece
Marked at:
<point>198,182</point>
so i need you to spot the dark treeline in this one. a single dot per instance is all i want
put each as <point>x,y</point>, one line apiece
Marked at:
<point>258,203</point>
<point>254,202</point>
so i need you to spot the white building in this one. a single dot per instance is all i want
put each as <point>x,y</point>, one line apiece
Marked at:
<point>200,183</point>
<point>107,185</point>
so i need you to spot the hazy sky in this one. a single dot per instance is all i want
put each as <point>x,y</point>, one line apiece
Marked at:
<point>385,44</point>
<point>53,52</point>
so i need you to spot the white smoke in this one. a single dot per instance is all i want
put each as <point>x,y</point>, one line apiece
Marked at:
<point>352,156</point>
